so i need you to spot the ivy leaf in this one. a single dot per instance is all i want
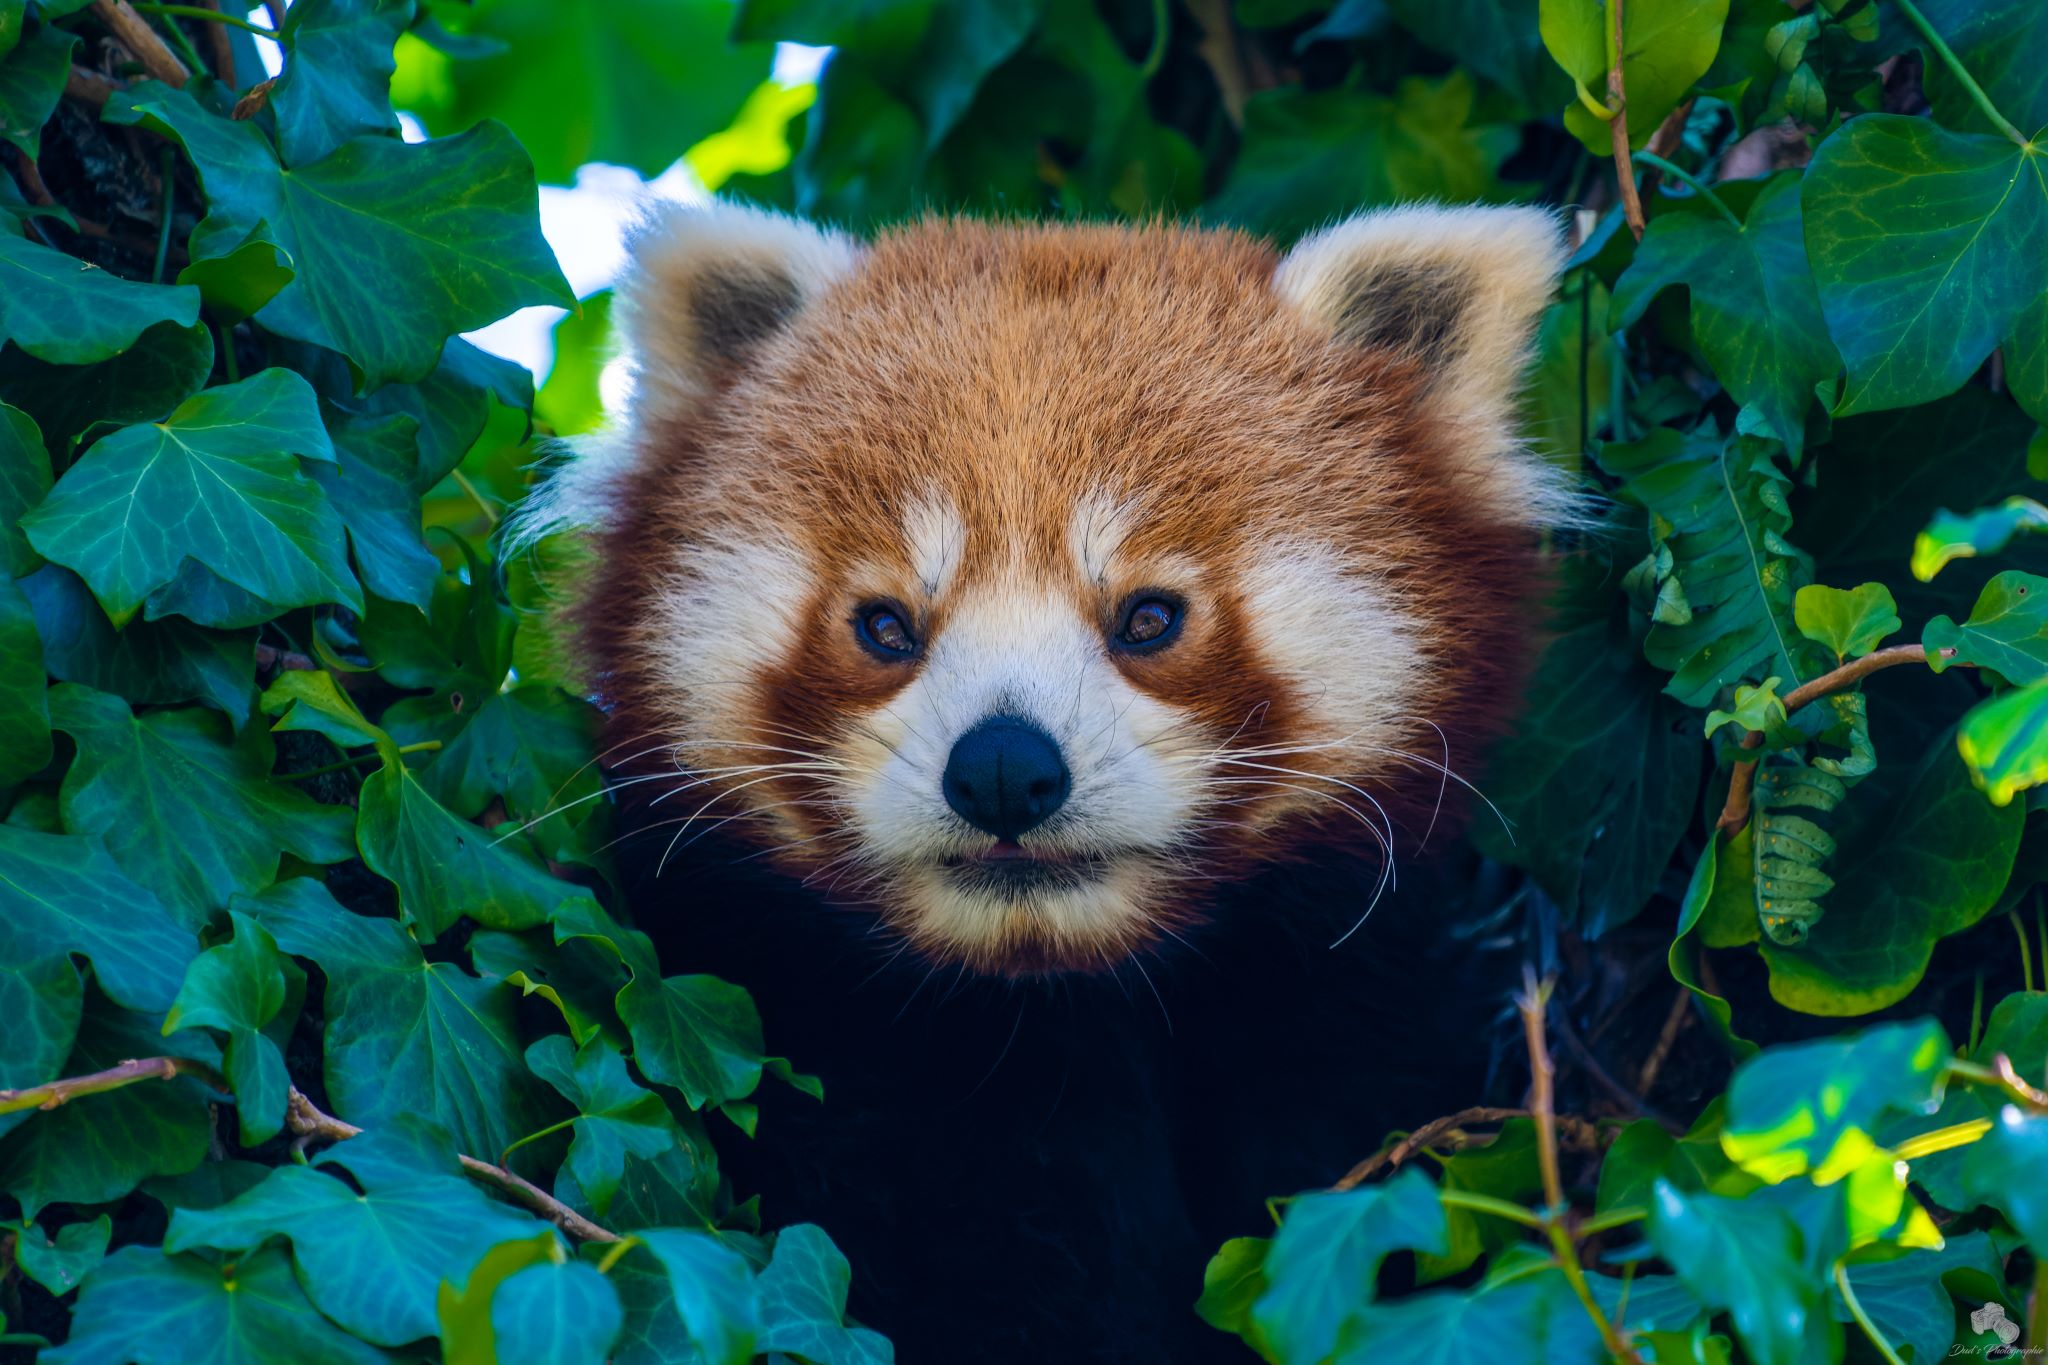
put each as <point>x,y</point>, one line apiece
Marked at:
<point>464,1313</point>
<point>226,827</point>
<point>64,893</point>
<point>152,1309</point>
<point>1725,504</point>
<point>31,82</point>
<point>1309,157</point>
<point>1985,531</point>
<point>24,708</point>
<point>166,365</point>
<point>2004,1171</point>
<point>238,987</point>
<point>373,209</point>
<point>803,1303</point>
<point>715,1292</point>
<point>42,999</point>
<point>1920,240</point>
<point>24,481</point>
<point>451,404</point>
<point>95,1148</point>
<point>237,283</point>
<point>1666,46</point>
<point>336,81</point>
<point>1755,314</point>
<point>615,1118</point>
<point>372,486</point>
<point>2004,742</point>
<point>1232,1282</point>
<point>1850,623</point>
<point>1905,1296</point>
<point>578,977</point>
<point>369,1261</point>
<point>2003,44</point>
<point>1536,1309</point>
<point>404,1035</point>
<point>562,1313</point>
<point>60,1265</point>
<point>2007,631</point>
<point>1758,709</point>
<point>1932,865</point>
<point>1811,1108</point>
<point>219,482</point>
<point>1321,1267</point>
<point>63,310</point>
<point>1744,1257</point>
<point>171,660</point>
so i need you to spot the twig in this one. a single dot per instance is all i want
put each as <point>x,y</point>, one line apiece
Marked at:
<point>208,12</point>
<point>1218,49</point>
<point>1665,140</point>
<point>1575,1132</point>
<point>307,1121</point>
<point>425,746</point>
<point>217,40</point>
<point>1667,1037</point>
<point>138,37</point>
<point>1742,782</point>
<point>51,1094</point>
<point>1534,1003</point>
<point>90,87</point>
<point>1617,129</point>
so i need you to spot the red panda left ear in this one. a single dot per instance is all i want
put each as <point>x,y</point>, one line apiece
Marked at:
<point>1460,290</point>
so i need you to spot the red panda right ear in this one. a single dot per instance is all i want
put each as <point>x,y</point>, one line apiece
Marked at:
<point>708,285</point>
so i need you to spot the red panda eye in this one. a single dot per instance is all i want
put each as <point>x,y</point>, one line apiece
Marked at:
<point>884,629</point>
<point>1150,621</point>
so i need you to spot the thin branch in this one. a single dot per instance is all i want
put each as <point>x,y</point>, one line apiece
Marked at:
<point>1534,1003</point>
<point>51,1094</point>
<point>223,52</point>
<point>307,1121</point>
<point>205,12</point>
<point>1742,782</point>
<point>1667,1037</point>
<point>425,746</point>
<point>1617,128</point>
<point>90,87</point>
<point>135,34</point>
<point>1962,73</point>
<point>1422,1137</point>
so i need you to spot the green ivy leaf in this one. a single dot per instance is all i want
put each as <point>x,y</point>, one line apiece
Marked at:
<point>1310,157</point>
<point>803,1303</point>
<point>336,81</point>
<point>31,82</point>
<point>1321,1267</point>
<point>467,1336</point>
<point>68,312</point>
<point>64,893</point>
<point>95,1148</point>
<point>152,1309</point>
<point>1232,1282</point>
<point>615,1118</point>
<point>1985,531</point>
<point>61,1265</point>
<point>1812,1108</point>
<point>370,1261</point>
<point>1932,865</point>
<point>2007,631</point>
<point>238,987</point>
<point>1726,506</point>
<point>2004,1170</point>
<point>24,707</point>
<point>170,660</point>
<point>237,283</point>
<point>373,485</point>
<point>1744,1257</point>
<point>228,824</point>
<point>1755,314</point>
<point>24,481</point>
<point>1534,1309</point>
<point>220,483</point>
<point>373,209</point>
<point>166,365</point>
<point>556,1314</point>
<point>42,1000</point>
<point>1850,623</point>
<point>2003,44</point>
<point>1920,242</point>
<point>1906,1297</point>
<point>1758,709</point>
<point>715,1292</point>
<point>1666,46</point>
<point>404,1035</point>
<point>2004,742</point>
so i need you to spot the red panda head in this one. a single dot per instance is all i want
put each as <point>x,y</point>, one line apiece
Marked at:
<point>1021,583</point>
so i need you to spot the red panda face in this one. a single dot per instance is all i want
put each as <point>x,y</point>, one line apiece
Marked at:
<point>1019,585</point>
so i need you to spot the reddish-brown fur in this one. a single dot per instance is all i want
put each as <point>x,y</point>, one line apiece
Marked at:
<point>1021,369</point>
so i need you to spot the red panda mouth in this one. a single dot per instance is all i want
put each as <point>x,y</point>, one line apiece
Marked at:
<point>1011,870</point>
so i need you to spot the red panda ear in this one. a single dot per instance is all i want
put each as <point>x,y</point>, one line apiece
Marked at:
<point>708,285</point>
<point>1461,291</point>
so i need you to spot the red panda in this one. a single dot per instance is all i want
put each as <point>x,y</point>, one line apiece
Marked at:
<point>1019,593</point>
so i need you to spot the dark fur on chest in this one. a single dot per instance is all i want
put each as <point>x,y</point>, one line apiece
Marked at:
<point>1038,1172</point>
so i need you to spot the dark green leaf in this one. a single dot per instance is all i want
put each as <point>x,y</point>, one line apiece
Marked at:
<point>1745,1257</point>
<point>2007,630</point>
<point>803,1303</point>
<point>1536,1310</point>
<point>184,806</point>
<point>715,1292</point>
<point>2004,1170</point>
<point>373,485</point>
<point>2003,44</point>
<point>237,988</point>
<point>24,708</point>
<point>375,209</point>
<point>166,365</point>
<point>59,1265</point>
<point>615,1118</point>
<point>24,480</point>
<point>336,81</point>
<point>31,81</point>
<point>64,893</point>
<point>151,661</point>
<point>42,999</point>
<point>152,1309</point>
<point>556,1314</point>
<point>60,309</point>
<point>220,483</point>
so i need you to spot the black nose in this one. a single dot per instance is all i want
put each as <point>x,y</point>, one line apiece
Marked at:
<point>1005,775</point>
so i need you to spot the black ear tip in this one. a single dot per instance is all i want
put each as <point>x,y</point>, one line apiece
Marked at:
<point>1418,309</point>
<point>735,312</point>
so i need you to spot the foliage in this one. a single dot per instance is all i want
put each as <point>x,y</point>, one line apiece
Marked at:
<point>301,821</point>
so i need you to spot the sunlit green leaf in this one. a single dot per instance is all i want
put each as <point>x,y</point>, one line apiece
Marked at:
<point>1811,1108</point>
<point>2006,631</point>
<point>1745,1258</point>
<point>2004,742</point>
<point>1667,45</point>
<point>1850,623</point>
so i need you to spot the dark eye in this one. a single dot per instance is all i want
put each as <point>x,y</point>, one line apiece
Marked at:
<point>1150,621</point>
<point>885,628</point>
